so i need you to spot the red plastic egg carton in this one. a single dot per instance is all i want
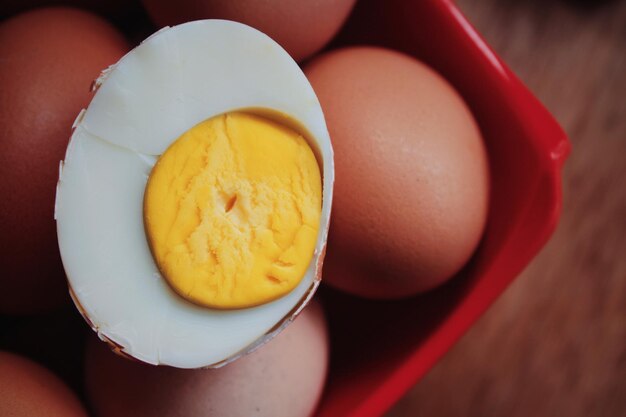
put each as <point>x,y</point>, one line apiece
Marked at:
<point>381,349</point>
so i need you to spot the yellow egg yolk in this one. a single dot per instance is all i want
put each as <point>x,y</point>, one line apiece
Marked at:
<point>232,211</point>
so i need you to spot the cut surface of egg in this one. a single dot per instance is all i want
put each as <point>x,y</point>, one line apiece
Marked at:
<point>194,199</point>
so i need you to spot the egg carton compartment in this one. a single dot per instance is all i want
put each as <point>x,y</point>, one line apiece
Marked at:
<point>379,349</point>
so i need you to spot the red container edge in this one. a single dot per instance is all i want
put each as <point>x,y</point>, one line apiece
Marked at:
<point>551,147</point>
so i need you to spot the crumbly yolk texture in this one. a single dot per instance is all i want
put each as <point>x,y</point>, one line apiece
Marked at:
<point>232,211</point>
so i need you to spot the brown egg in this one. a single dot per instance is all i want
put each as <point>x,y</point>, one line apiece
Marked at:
<point>302,27</point>
<point>48,59</point>
<point>111,8</point>
<point>29,390</point>
<point>62,332</point>
<point>283,378</point>
<point>411,190</point>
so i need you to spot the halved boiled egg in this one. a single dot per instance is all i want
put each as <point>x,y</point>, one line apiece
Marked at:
<point>193,202</point>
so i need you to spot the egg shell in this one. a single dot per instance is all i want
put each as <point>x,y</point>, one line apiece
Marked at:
<point>49,59</point>
<point>412,173</point>
<point>302,27</point>
<point>284,378</point>
<point>29,390</point>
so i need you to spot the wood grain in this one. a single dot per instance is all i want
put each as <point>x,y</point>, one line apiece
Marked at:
<point>555,342</point>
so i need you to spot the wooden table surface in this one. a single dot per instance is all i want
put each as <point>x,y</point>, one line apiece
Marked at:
<point>554,344</point>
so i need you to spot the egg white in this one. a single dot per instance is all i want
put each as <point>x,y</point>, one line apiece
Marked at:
<point>175,79</point>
